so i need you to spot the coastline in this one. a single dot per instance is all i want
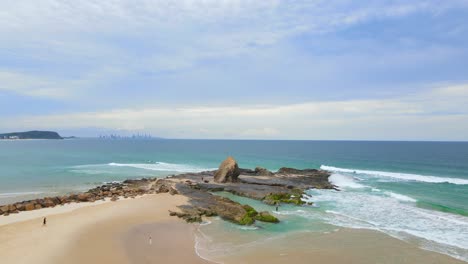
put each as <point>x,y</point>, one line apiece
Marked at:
<point>133,222</point>
<point>90,234</point>
<point>118,232</point>
<point>344,245</point>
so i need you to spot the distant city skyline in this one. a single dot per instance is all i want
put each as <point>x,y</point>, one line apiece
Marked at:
<point>236,69</point>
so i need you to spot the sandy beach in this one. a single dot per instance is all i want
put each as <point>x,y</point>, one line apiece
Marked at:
<point>97,233</point>
<point>120,232</point>
<point>356,246</point>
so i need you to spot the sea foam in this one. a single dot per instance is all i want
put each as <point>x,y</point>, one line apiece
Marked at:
<point>397,175</point>
<point>395,215</point>
<point>344,181</point>
<point>17,194</point>
<point>162,166</point>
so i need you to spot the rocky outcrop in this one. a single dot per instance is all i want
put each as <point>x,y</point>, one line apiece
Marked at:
<point>266,217</point>
<point>112,191</point>
<point>285,186</point>
<point>203,203</point>
<point>259,171</point>
<point>228,171</point>
<point>286,170</point>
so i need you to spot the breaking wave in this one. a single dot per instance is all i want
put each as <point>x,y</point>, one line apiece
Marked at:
<point>400,176</point>
<point>162,166</point>
<point>17,194</point>
<point>396,215</point>
<point>344,181</point>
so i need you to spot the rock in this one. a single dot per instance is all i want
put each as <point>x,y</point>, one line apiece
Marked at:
<point>266,217</point>
<point>228,171</point>
<point>173,191</point>
<point>4,209</point>
<point>84,197</point>
<point>278,198</point>
<point>63,199</point>
<point>114,198</point>
<point>48,203</point>
<point>171,213</point>
<point>286,170</point>
<point>162,189</point>
<point>29,206</point>
<point>12,208</point>
<point>259,171</point>
<point>37,206</point>
<point>55,200</point>
<point>20,207</point>
<point>250,210</point>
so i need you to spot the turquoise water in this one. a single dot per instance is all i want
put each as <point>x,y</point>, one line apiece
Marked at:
<point>416,191</point>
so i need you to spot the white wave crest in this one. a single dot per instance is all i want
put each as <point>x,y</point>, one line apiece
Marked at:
<point>344,181</point>
<point>387,213</point>
<point>17,194</point>
<point>401,197</point>
<point>397,175</point>
<point>162,166</point>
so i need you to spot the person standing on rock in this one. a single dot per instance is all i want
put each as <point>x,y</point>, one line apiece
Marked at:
<point>44,221</point>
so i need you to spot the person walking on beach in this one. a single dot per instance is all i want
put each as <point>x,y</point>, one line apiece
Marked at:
<point>150,241</point>
<point>44,221</point>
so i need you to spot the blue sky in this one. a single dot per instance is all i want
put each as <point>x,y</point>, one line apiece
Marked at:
<point>395,70</point>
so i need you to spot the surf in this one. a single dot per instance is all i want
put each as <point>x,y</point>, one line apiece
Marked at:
<point>398,175</point>
<point>396,215</point>
<point>162,166</point>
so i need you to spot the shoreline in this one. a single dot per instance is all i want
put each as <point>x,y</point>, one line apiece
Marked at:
<point>88,234</point>
<point>343,245</point>
<point>117,232</point>
<point>133,222</point>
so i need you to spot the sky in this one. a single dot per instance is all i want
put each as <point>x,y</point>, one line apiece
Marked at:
<point>236,69</point>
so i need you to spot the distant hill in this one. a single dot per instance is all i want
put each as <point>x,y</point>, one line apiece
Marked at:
<point>31,135</point>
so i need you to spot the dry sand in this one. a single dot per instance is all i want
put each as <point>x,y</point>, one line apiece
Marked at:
<point>93,234</point>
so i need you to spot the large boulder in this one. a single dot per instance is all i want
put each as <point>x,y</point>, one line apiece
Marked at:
<point>29,206</point>
<point>85,197</point>
<point>4,209</point>
<point>259,171</point>
<point>228,171</point>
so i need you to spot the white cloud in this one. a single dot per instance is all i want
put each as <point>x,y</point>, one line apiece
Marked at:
<point>421,116</point>
<point>37,85</point>
<point>31,85</point>
<point>181,31</point>
<point>83,39</point>
<point>71,49</point>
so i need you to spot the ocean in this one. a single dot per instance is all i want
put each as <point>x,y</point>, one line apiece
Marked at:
<point>414,191</point>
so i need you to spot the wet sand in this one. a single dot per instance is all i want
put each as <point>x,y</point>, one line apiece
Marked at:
<point>172,242</point>
<point>343,246</point>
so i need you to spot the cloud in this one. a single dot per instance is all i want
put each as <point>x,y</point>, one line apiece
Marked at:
<point>55,88</point>
<point>428,115</point>
<point>239,68</point>
<point>30,85</point>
